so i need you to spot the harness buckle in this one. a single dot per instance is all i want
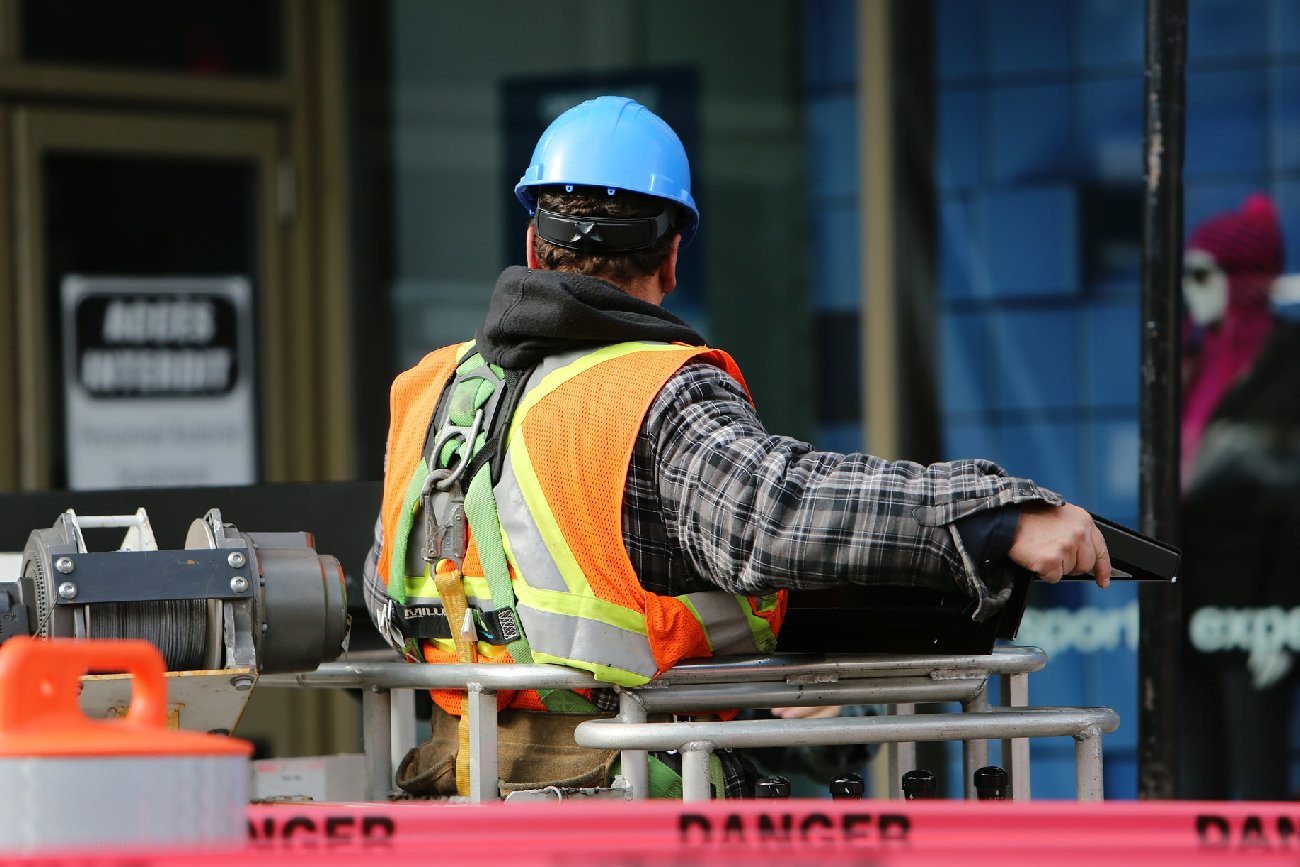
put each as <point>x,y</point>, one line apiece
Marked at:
<point>388,623</point>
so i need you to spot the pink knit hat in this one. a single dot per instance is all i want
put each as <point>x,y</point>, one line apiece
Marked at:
<point>1247,241</point>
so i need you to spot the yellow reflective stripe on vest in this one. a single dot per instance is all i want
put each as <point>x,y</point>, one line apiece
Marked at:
<point>422,588</point>
<point>554,372</point>
<point>570,364</point>
<point>586,607</point>
<point>566,627</point>
<point>519,528</point>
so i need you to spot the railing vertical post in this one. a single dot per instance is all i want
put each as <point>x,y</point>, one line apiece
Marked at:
<point>1015,751</point>
<point>377,716</point>
<point>975,753</point>
<point>902,756</point>
<point>402,724</point>
<point>1087,766</point>
<point>634,764</point>
<point>696,783</point>
<point>484,773</point>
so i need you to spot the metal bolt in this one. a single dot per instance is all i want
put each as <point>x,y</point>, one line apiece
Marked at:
<point>236,559</point>
<point>242,682</point>
<point>64,565</point>
<point>239,583</point>
<point>67,590</point>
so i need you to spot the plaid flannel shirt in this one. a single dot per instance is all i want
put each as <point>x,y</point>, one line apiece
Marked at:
<point>714,501</point>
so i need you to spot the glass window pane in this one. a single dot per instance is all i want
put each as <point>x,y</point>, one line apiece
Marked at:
<point>1030,136</point>
<point>1112,34</point>
<point>208,38</point>
<point>144,215</point>
<point>1227,112</point>
<point>1223,29</point>
<point>1031,237</point>
<point>1028,36</point>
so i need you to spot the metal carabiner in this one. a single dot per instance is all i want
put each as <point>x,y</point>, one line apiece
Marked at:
<point>451,433</point>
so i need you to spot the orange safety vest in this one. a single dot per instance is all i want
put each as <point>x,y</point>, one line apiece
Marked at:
<point>559,500</point>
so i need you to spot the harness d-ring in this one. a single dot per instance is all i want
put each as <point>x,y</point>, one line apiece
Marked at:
<point>452,433</point>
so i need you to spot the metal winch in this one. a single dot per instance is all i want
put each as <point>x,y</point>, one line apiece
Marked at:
<point>256,602</point>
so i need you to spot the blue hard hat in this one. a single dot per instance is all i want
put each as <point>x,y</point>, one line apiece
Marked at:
<point>616,143</point>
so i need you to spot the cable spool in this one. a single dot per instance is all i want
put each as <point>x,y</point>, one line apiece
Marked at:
<point>262,602</point>
<point>177,627</point>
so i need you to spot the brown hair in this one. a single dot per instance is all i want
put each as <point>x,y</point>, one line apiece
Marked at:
<point>593,202</point>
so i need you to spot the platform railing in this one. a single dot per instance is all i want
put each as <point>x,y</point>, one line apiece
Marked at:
<point>759,682</point>
<point>696,741</point>
<point>958,678</point>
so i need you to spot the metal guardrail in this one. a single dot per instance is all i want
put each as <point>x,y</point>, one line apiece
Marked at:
<point>753,682</point>
<point>696,741</point>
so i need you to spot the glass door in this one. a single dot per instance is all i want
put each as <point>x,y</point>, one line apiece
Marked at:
<point>151,202</point>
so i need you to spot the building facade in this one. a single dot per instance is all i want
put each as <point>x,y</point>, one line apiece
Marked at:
<point>920,235</point>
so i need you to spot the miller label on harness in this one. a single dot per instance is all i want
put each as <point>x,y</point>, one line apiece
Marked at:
<point>430,621</point>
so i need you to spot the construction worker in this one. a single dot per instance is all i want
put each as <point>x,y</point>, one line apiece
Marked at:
<point>585,483</point>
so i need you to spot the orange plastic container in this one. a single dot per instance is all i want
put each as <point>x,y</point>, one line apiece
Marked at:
<point>77,783</point>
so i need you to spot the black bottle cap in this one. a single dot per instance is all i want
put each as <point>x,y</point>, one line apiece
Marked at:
<point>847,786</point>
<point>919,784</point>
<point>991,783</point>
<point>773,787</point>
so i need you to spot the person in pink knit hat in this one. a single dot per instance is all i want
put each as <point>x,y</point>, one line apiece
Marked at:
<point>1232,261</point>
<point>1241,510</point>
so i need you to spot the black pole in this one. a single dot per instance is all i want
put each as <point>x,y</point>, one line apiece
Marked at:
<point>1160,640</point>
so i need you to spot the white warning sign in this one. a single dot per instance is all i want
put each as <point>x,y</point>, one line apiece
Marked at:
<point>158,381</point>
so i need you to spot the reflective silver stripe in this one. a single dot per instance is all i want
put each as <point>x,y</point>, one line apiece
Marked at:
<point>724,622</point>
<point>551,364</point>
<point>587,640</point>
<point>536,566</point>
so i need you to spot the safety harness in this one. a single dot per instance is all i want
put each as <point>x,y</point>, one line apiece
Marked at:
<point>452,492</point>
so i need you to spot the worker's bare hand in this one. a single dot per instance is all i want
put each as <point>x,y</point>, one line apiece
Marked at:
<point>806,712</point>
<point>1054,541</point>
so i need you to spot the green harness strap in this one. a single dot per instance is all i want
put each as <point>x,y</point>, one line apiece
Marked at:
<point>666,784</point>
<point>397,562</point>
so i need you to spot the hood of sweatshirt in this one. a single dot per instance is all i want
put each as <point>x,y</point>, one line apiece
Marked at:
<point>534,314</point>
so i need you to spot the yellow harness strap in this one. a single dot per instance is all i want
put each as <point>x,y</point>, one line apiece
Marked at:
<point>451,589</point>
